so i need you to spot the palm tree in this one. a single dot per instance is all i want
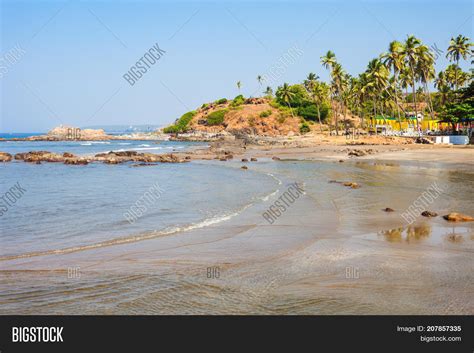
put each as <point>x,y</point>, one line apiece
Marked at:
<point>394,59</point>
<point>310,81</point>
<point>329,61</point>
<point>459,47</point>
<point>239,84</point>
<point>455,77</point>
<point>426,69</point>
<point>410,53</point>
<point>378,77</point>
<point>442,85</point>
<point>319,92</point>
<point>337,74</point>
<point>259,79</point>
<point>268,91</point>
<point>286,94</point>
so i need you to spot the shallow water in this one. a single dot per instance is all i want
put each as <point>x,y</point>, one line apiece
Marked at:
<point>333,251</point>
<point>94,147</point>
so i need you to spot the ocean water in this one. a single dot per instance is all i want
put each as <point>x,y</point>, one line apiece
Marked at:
<point>94,147</point>
<point>76,207</point>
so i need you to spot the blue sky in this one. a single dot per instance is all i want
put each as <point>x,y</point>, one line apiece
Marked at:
<point>76,52</point>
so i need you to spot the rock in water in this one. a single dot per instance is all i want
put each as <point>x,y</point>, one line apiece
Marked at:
<point>244,167</point>
<point>253,159</point>
<point>388,209</point>
<point>5,157</point>
<point>351,184</point>
<point>458,217</point>
<point>429,214</point>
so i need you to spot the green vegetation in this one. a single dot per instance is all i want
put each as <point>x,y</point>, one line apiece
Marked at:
<point>304,127</point>
<point>462,108</point>
<point>217,117</point>
<point>181,125</point>
<point>221,101</point>
<point>265,113</point>
<point>237,101</point>
<point>204,105</point>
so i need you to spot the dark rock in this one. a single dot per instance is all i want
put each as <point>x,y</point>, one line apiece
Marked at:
<point>357,153</point>
<point>429,214</point>
<point>244,167</point>
<point>253,159</point>
<point>245,160</point>
<point>76,161</point>
<point>388,209</point>
<point>68,155</point>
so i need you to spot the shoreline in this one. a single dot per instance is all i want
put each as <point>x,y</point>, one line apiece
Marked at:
<point>290,266</point>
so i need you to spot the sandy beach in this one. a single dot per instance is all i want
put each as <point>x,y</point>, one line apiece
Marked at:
<point>333,251</point>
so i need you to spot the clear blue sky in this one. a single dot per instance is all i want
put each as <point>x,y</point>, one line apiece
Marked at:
<point>76,52</point>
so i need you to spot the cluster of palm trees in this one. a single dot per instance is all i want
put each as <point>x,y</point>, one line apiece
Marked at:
<point>383,86</point>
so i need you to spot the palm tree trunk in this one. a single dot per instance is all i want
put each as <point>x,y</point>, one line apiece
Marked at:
<point>291,110</point>
<point>374,104</point>
<point>396,102</point>
<point>456,74</point>
<point>414,94</point>
<point>319,118</point>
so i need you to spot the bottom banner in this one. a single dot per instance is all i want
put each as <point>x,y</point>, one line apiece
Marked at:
<point>293,333</point>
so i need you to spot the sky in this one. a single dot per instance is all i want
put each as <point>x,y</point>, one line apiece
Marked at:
<point>63,62</point>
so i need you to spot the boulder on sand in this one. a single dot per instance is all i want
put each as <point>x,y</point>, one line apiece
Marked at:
<point>429,214</point>
<point>458,217</point>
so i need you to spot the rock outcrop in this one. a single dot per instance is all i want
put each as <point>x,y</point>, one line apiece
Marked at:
<point>108,158</point>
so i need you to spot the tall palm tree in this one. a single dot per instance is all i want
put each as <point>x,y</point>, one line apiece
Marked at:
<point>260,79</point>
<point>378,77</point>
<point>337,87</point>
<point>426,69</point>
<point>410,53</point>
<point>286,94</point>
<point>459,47</point>
<point>328,60</point>
<point>394,60</point>
<point>239,84</point>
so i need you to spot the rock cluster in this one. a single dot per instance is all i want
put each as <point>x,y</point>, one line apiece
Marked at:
<point>108,158</point>
<point>360,153</point>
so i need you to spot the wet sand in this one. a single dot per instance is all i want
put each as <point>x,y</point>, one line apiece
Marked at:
<point>334,251</point>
